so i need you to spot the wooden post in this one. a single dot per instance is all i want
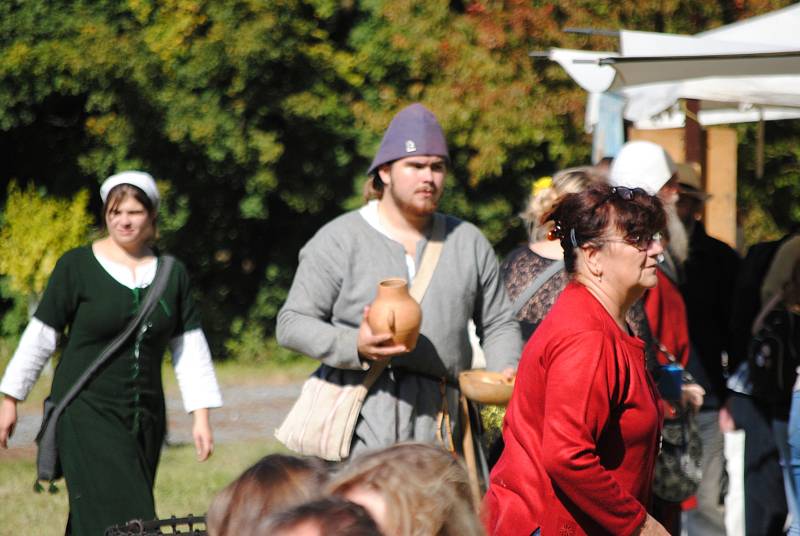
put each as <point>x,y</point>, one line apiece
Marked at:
<point>720,216</point>
<point>719,172</point>
<point>468,448</point>
<point>693,136</point>
<point>760,146</point>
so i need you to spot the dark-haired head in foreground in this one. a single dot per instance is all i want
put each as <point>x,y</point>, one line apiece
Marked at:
<point>331,516</point>
<point>274,483</point>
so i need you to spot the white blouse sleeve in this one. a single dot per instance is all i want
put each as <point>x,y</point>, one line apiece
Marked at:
<point>37,344</point>
<point>191,359</point>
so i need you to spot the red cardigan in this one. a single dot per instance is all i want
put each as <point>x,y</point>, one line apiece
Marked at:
<point>581,430</point>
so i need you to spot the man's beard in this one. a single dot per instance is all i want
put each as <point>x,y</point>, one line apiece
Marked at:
<point>678,236</point>
<point>417,207</point>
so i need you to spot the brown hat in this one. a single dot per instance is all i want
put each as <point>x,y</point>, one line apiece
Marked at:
<point>689,180</point>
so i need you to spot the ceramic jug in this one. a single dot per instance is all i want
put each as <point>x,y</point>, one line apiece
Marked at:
<point>395,311</point>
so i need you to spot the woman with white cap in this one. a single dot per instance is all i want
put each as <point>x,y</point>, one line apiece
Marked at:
<point>110,435</point>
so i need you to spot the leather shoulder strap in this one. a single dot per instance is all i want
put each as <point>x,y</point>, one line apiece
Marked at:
<point>536,284</point>
<point>430,258</point>
<point>153,295</point>
<point>771,304</point>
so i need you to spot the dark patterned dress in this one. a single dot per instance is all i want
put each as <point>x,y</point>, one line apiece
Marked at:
<point>520,268</point>
<point>109,437</point>
<point>523,265</point>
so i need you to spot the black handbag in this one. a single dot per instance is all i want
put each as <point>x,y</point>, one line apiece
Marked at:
<point>774,353</point>
<point>679,470</point>
<point>679,464</point>
<point>48,466</point>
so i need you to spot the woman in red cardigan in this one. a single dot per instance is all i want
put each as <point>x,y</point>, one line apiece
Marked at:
<point>582,429</point>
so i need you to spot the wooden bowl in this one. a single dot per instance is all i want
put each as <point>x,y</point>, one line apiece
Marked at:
<point>486,387</point>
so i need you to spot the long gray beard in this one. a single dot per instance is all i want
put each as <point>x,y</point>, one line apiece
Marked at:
<point>678,236</point>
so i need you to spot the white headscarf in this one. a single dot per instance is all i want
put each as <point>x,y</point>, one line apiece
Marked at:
<point>140,179</point>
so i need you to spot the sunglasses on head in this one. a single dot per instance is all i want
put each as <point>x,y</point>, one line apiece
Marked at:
<point>627,193</point>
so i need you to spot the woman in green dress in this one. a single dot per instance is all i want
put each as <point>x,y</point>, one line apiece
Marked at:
<point>110,436</point>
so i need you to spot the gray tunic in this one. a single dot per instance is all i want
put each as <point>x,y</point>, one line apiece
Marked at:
<point>338,275</point>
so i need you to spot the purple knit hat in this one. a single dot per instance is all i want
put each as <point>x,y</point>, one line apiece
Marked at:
<point>413,131</point>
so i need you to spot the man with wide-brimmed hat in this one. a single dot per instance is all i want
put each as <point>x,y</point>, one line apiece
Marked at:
<point>707,285</point>
<point>337,278</point>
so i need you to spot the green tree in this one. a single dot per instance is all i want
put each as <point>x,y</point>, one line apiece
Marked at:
<point>769,206</point>
<point>241,108</point>
<point>35,231</point>
<point>259,118</point>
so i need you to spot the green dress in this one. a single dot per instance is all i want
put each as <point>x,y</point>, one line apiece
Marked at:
<point>109,437</point>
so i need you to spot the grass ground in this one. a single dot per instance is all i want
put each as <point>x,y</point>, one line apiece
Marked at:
<point>183,486</point>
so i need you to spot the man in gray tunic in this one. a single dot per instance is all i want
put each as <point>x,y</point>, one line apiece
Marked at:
<point>337,278</point>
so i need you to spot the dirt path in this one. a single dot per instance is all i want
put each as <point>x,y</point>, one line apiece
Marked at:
<point>250,412</point>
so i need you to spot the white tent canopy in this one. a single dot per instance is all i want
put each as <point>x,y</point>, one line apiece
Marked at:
<point>746,71</point>
<point>780,25</point>
<point>585,69</point>
<point>636,43</point>
<point>638,70</point>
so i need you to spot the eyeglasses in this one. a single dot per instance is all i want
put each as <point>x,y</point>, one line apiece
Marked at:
<point>627,193</point>
<point>642,243</point>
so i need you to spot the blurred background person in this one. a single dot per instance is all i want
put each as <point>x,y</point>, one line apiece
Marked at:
<point>525,264</point>
<point>707,276</point>
<point>776,346</point>
<point>792,301</point>
<point>533,273</point>
<point>754,460</point>
<point>110,436</point>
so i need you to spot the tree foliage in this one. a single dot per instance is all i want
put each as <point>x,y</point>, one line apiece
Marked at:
<point>259,118</point>
<point>36,231</point>
<point>771,205</point>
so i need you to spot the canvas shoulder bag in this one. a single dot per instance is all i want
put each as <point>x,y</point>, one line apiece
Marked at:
<point>48,466</point>
<point>323,419</point>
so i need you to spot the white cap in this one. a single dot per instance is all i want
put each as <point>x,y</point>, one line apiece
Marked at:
<point>641,164</point>
<point>140,179</point>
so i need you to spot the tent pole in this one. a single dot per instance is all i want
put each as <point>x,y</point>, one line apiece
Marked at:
<point>592,31</point>
<point>694,141</point>
<point>760,145</point>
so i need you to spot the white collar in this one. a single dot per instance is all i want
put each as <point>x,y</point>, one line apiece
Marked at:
<point>141,277</point>
<point>370,214</point>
